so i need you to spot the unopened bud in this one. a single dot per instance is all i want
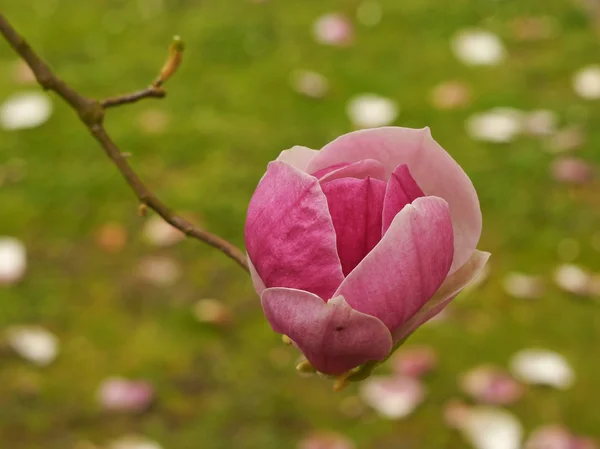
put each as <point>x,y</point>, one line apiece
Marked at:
<point>173,61</point>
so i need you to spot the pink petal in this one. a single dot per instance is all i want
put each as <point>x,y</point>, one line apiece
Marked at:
<point>333,337</point>
<point>393,397</point>
<point>406,267</point>
<point>433,169</point>
<point>297,156</point>
<point>451,287</point>
<point>355,207</point>
<point>258,283</point>
<point>120,394</point>
<point>550,437</point>
<point>415,361</point>
<point>491,385</point>
<point>401,190</point>
<point>334,29</point>
<point>325,171</point>
<point>361,169</point>
<point>326,440</point>
<point>289,234</point>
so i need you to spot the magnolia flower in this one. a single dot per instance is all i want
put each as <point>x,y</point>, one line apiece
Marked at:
<point>353,247</point>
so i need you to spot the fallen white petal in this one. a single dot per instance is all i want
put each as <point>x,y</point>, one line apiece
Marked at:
<point>25,110</point>
<point>478,47</point>
<point>392,397</point>
<point>33,343</point>
<point>309,83</point>
<point>498,125</point>
<point>134,442</point>
<point>160,233</point>
<point>541,122</point>
<point>573,279</point>
<point>159,270</point>
<point>371,111</point>
<point>542,367</point>
<point>13,260</point>
<point>520,285</point>
<point>491,428</point>
<point>586,82</point>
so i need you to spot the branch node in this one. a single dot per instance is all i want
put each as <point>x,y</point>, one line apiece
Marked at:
<point>91,113</point>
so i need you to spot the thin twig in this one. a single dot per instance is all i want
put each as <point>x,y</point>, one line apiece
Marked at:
<point>149,92</point>
<point>91,113</point>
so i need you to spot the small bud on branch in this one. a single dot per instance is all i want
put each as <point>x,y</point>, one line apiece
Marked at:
<point>173,62</point>
<point>91,113</point>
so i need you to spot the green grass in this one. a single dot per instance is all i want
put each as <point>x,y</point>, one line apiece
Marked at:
<point>231,110</point>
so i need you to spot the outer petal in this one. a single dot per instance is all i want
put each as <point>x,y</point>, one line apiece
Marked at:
<point>355,207</point>
<point>401,190</point>
<point>361,169</point>
<point>289,234</point>
<point>258,283</point>
<point>451,287</point>
<point>431,166</point>
<point>406,267</point>
<point>333,337</point>
<point>297,156</point>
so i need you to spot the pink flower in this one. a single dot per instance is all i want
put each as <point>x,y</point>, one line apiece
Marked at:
<point>353,247</point>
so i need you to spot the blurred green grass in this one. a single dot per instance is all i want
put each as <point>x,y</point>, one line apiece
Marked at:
<point>231,110</point>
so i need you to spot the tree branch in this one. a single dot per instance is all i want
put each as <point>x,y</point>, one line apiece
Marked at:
<point>150,92</point>
<point>91,113</point>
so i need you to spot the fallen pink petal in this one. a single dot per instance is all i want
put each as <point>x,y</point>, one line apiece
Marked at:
<point>119,394</point>
<point>414,361</point>
<point>334,29</point>
<point>572,170</point>
<point>326,440</point>
<point>555,436</point>
<point>491,385</point>
<point>393,397</point>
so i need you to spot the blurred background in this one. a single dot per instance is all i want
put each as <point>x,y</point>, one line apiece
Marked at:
<point>117,334</point>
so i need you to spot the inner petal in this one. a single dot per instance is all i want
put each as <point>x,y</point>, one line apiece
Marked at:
<point>356,208</point>
<point>366,168</point>
<point>401,190</point>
